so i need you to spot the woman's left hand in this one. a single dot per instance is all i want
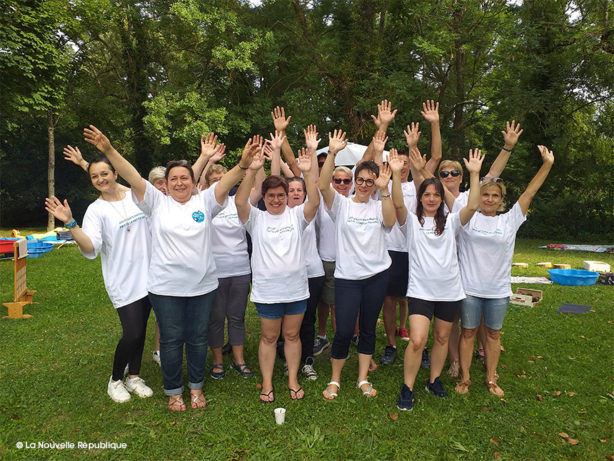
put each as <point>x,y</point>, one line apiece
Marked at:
<point>547,155</point>
<point>94,136</point>
<point>304,160</point>
<point>474,164</point>
<point>384,176</point>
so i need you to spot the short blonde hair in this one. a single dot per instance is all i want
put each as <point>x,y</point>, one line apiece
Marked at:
<point>451,164</point>
<point>488,183</point>
<point>215,168</point>
<point>158,172</point>
<point>343,169</point>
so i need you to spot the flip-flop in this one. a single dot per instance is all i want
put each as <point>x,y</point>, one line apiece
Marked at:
<point>268,395</point>
<point>176,403</point>
<point>294,393</point>
<point>462,387</point>
<point>198,401</point>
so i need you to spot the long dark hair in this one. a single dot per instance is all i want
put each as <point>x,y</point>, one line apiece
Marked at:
<point>440,216</point>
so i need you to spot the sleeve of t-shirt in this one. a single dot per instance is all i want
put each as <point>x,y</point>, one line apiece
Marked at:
<point>211,203</point>
<point>300,214</point>
<point>460,202</point>
<point>151,199</point>
<point>336,207</point>
<point>454,221</point>
<point>92,227</point>
<point>515,218</point>
<point>253,218</point>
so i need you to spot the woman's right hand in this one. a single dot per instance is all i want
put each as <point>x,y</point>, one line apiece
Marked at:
<point>73,154</point>
<point>336,141</point>
<point>59,210</point>
<point>395,163</point>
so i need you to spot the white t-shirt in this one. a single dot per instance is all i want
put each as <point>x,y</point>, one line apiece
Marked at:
<point>182,260</point>
<point>229,243</point>
<point>279,273</point>
<point>361,247</point>
<point>124,253</point>
<point>433,264</point>
<point>396,240</point>
<point>486,249</point>
<point>459,203</point>
<point>310,250</point>
<point>326,233</point>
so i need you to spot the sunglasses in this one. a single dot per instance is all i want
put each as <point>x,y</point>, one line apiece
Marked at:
<point>361,181</point>
<point>445,174</point>
<point>488,178</point>
<point>344,181</point>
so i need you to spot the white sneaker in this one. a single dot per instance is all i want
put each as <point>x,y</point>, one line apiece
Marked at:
<point>117,391</point>
<point>156,357</point>
<point>138,386</point>
<point>308,371</point>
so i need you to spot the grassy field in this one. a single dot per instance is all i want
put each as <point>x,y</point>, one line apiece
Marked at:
<point>557,371</point>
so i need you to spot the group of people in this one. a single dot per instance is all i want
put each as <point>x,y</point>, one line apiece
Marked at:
<point>311,238</point>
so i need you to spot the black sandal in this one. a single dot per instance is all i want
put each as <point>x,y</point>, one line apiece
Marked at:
<point>268,396</point>
<point>242,369</point>
<point>294,393</point>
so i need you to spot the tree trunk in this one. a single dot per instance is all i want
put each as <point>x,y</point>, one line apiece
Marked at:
<point>50,166</point>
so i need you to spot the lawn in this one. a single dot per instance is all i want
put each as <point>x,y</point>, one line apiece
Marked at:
<point>557,371</point>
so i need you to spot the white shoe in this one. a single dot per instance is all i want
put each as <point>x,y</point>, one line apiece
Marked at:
<point>117,391</point>
<point>138,387</point>
<point>156,357</point>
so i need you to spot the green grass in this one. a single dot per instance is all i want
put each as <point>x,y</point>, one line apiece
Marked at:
<point>55,366</point>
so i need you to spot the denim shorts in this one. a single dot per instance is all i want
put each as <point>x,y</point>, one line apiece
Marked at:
<point>278,310</point>
<point>493,310</point>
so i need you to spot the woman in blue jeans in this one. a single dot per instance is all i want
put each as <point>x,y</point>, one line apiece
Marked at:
<point>361,272</point>
<point>486,250</point>
<point>182,279</point>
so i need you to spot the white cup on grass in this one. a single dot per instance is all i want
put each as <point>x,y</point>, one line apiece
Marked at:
<point>280,415</point>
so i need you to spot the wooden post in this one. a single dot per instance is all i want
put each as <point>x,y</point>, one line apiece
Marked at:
<point>22,296</point>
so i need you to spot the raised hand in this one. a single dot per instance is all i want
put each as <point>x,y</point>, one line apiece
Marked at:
<point>474,164</point>
<point>207,145</point>
<point>547,155</point>
<point>417,160</point>
<point>257,160</point>
<point>412,135</point>
<point>252,147</point>
<point>94,136</point>
<point>511,134</point>
<point>58,209</point>
<point>73,154</point>
<point>311,138</point>
<point>276,141</point>
<point>304,160</point>
<point>379,141</point>
<point>279,119</point>
<point>384,176</point>
<point>336,141</point>
<point>385,114</point>
<point>218,153</point>
<point>394,161</point>
<point>430,111</point>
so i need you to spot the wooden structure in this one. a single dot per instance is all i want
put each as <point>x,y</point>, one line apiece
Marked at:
<point>22,296</point>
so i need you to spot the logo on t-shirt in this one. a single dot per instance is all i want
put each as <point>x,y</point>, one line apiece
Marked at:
<point>198,216</point>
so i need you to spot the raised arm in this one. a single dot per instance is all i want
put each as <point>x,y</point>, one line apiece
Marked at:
<point>241,199</point>
<point>385,116</point>
<point>313,198</point>
<point>207,148</point>
<point>379,142</point>
<point>272,150</point>
<point>510,138</point>
<point>123,167</point>
<point>311,142</point>
<point>538,180</point>
<point>419,173</point>
<point>281,123</point>
<point>430,111</point>
<point>336,142</point>
<point>396,165</point>
<point>381,182</point>
<point>62,212</point>
<point>473,165</point>
<point>231,178</point>
<point>73,154</point>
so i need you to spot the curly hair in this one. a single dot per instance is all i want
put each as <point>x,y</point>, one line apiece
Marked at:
<point>440,216</point>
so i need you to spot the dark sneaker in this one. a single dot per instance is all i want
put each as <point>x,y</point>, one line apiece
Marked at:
<point>436,387</point>
<point>355,340</point>
<point>390,355</point>
<point>227,349</point>
<point>406,399</point>
<point>319,345</point>
<point>426,362</point>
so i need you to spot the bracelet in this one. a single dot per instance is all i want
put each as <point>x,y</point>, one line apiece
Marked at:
<point>385,196</point>
<point>505,149</point>
<point>241,168</point>
<point>71,224</point>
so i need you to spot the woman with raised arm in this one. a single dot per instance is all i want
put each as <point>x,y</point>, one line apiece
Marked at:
<point>279,274</point>
<point>361,271</point>
<point>434,287</point>
<point>182,278</point>
<point>116,228</point>
<point>486,252</point>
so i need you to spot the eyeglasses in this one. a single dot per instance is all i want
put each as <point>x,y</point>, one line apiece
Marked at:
<point>361,181</point>
<point>488,178</point>
<point>445,174</point>
<point>344,181</point>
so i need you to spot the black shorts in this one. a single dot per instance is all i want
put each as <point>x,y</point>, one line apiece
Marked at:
<point>443,310</point>
<point>399,274</point>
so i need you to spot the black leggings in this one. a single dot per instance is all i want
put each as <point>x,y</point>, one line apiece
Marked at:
<point>308,326</point>
<point>133,318</point>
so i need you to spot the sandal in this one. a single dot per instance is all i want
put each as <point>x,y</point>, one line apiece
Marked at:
<point>332,395</point>
<point>175,403</point>
<point>217,374</point>
<point>270,396</point>
<point>198,401</point>
<point>494,389</point>
<point>370,392</point>
<point>453,370</point>
<point>242,369</point>
<point>462,387</point>
<point>480,355</point>
<point>294,393</point>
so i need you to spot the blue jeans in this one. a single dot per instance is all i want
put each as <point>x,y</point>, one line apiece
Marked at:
<point>493,309</point>
<point>183,320</point>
